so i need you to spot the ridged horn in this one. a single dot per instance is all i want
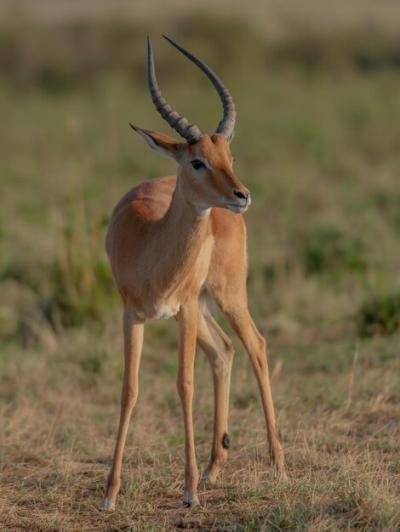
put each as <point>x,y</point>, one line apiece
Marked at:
<point>181,124</point>
<point>227,123</point>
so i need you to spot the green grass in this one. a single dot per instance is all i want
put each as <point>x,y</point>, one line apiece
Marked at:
<point>317,143</point>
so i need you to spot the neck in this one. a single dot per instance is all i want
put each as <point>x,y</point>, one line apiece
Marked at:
<point>186,227</point>
<point>182,209</point>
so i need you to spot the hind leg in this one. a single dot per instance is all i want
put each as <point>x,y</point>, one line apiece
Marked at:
<point>219,350</point>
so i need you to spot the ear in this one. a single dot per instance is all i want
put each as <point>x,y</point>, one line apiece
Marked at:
<point>162,144</point>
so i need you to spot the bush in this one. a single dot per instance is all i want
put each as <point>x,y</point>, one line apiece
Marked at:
<point>81,51</point>
<point>82,287</point>
<point>380,316</point>
<point>326,249</point>
<point>72,287</point>
<point>363,50</point>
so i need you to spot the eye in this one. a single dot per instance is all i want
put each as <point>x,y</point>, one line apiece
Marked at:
<point>197,164</point>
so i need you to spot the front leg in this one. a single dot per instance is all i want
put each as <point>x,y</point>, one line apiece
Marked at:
<point>133,341</point>
<point>187,319</point>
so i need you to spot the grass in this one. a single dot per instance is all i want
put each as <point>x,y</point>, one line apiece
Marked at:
<point>342,451</point>
<point>318,147</point>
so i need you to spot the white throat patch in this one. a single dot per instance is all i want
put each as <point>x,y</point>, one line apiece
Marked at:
<point>203,211</point>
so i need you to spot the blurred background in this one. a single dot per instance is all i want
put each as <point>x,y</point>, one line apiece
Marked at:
<point>317,142</point>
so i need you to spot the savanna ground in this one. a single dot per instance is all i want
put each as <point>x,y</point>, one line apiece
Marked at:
<point>318,144</point>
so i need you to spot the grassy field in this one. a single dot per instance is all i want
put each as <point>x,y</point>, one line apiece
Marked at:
<point>317,143</point>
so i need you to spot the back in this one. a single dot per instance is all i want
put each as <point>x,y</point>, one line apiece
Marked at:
<point>147,202</point>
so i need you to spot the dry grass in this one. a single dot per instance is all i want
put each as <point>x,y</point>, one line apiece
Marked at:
<point>59,420</point>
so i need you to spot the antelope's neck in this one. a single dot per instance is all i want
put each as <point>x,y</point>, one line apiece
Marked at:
<point>187,227</point>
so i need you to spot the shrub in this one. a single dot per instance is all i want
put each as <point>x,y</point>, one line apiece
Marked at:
<point>81,51</point>
<point>326,249</point>
<point>81,284</point>
<point>380,316</point>
<point>363,50</point>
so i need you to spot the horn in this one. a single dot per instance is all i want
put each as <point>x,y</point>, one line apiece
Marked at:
<point>227,123</point>
<point>181,124</point>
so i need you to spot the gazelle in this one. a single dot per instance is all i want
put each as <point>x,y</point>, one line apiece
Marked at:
<point>171,241</point>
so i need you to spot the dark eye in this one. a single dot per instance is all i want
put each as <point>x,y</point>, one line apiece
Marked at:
<point>197,164</point>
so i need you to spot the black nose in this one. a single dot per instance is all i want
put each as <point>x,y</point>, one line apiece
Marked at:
<point>241,195</point>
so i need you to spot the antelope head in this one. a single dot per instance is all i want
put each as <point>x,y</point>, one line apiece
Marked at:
<point>205,164</point>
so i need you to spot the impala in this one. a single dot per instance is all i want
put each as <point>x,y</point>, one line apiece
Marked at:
<point>173,243</point>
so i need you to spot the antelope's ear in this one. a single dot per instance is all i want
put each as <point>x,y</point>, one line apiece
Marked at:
<point>162,144</point>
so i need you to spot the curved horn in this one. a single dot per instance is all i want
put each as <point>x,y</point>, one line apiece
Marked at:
<point>227,123</point>
<point>188,131</point>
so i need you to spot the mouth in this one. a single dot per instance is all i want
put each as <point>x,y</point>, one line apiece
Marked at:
<point>238,208</point>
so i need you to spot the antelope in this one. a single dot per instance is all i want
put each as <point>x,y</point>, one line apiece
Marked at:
<point>174,242</point>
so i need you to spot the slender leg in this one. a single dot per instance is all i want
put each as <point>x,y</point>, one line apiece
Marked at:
<point>233,303</point>
<point>256,347</point>
<point>187,349</point>
<point>219,350</point>
<point>133,341</point>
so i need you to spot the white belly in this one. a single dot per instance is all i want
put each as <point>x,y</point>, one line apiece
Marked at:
<point>161,313</point>
<point>166,312</point>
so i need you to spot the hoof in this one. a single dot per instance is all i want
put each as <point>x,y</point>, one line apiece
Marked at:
<point>208,476</point>
<point>107,504</point>
<point>280,474</point>
<point>190,501</point>
<point>283,476</point>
